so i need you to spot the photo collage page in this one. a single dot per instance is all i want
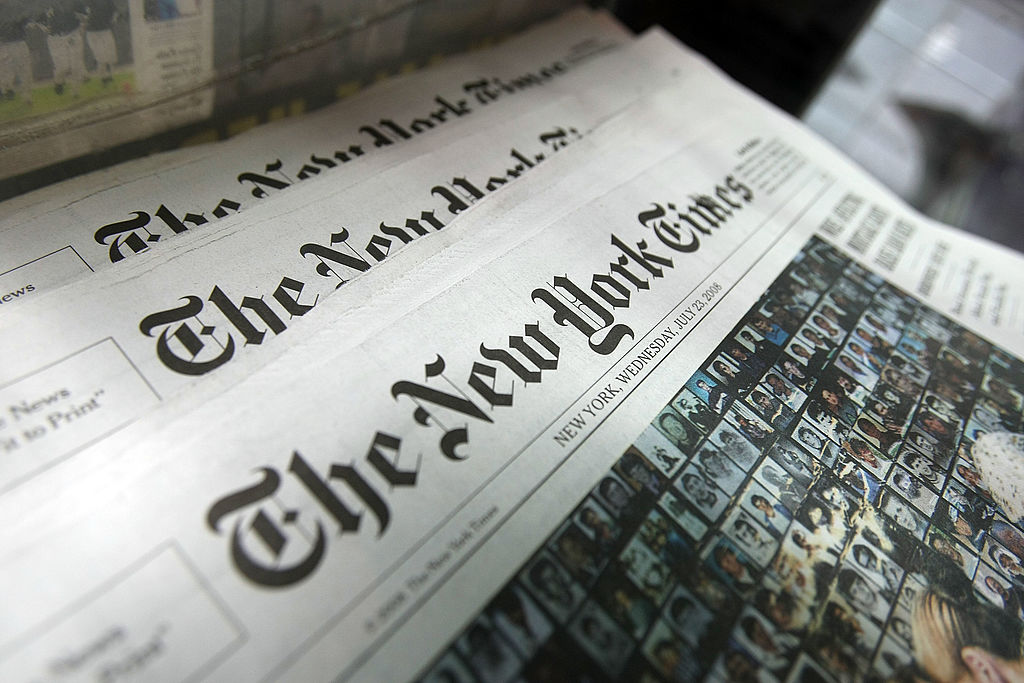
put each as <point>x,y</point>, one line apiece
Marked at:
<point>806,508</point>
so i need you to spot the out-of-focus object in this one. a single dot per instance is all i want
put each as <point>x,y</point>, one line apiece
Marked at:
<point>999,457</point>
<point>930,100</point>
<point>87,83</point>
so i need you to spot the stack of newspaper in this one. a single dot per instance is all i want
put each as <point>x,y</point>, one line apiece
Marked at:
<point>566,360</point>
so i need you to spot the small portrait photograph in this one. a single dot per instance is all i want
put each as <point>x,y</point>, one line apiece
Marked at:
<point>828,527</point>
<point>671,655</point>
<point>800,552</point>
<point>579,554</point>
<point>718,468</point>
<point>863,354</point>
<point>781,607</point>
<point>756,635</point>
<point>973,431</point>
<point>794,371</point>
<point>661,537</point>
<point>987,416</point>
<point>942,408</point>
<point>767,329</point>
<point>826,423</point>
<point>732,565</point>
<point>913,349</point>
<point>520,620</point>
<point>935,427</point>
<point>762,506</point>
<point>646,570</point>
<point>685,613</point>
<point>949,363</point>
<point>601,638</point>
<point>833,332</point>
<point>864,485</point>
<point>690,522</point>
<point>807,437</point>
<point>695,410</point>
<point>1003,560</point>
<point>750,537</point>
<point>912,489</point>
<point>995,588</point>
<point>768,408</point>
<point>944,545</point>
<point>746,359</point>
<point>794,461</point>
<point>853,627</point>
<point>887,415</point>
<point>747,422</point>
<point>968,474</point>
<point>813,338</point>
<point>967,501</point>
<point>780,484</point>
<point>449,669</point>
<point>614,494</point>
<point>755,342</point>
<point>732,375</point>
<point>878,327</point>
<point>892,657</point>
<point>1001,392</point>
<point>964,526</point>
<point>899,381</point>
<point>596,524</point>
<point>740,451</point>
<point>904,514</point>
<point>834,401</point>
<point>899,365</point>
<point>1009,535</point>
<point>683,435</point>
<point>639,474</point>
<point>846,362</point>
<point>922,467</point>
<point>625,603</point>
<point>885,440</point>
<point>939,453</point>
<point>867,456</point>
<point>812,357</point>
<point>954,394</point>
<point>705,496</point>
<point>876,567</point>
<point>488,653</point>
<point>784,390</point>
<point>829,489</point>
<point>714,392</point>
<point>971,345</point>
<point>861,595</point>
<point>899,405</point>
<point>659,451</point>
<point>834,655</point>
<point>872,342</point>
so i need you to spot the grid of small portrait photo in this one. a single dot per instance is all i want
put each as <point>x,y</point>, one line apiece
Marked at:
<point>805,508</point>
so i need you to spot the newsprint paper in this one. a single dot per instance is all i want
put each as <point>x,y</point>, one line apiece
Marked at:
<point>68,231</point>
<point>695,399</point>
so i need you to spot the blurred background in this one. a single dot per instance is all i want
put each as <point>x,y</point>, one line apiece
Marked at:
<point>927,95</point>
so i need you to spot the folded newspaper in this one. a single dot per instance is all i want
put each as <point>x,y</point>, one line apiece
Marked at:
<point>694,398</point>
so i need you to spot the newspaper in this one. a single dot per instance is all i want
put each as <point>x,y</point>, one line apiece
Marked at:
<point>696,398</point>
<point>85,225</point>
<point>85,77</point>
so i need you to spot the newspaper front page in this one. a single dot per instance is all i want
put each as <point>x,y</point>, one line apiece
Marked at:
<point>697,401</point>
<point>76,228</point>
<point>155,326</point>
